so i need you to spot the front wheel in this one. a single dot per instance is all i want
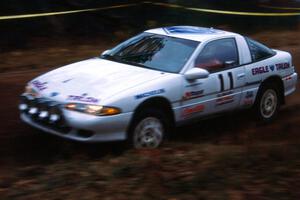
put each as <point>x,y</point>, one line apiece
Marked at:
<point>268,103</point>
<point>148,129</point>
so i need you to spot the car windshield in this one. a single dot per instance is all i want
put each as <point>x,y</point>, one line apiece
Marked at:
<point>154,51</point>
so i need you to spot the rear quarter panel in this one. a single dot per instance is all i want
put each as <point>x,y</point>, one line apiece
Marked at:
<point>278,65</point>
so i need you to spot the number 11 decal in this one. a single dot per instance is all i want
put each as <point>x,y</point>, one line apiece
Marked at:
<point>230,76</point>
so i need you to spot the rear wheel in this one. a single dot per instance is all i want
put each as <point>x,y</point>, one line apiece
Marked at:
<point>267,103</point>
<point>149,129</point>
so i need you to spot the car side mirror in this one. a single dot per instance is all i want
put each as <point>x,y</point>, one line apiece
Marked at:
<point>105,52</point>
<point>196,73</point>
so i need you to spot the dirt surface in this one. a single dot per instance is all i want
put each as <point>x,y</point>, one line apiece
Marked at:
<point>230,157</point>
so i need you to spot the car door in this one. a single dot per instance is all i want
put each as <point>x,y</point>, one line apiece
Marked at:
<point>221,91</point>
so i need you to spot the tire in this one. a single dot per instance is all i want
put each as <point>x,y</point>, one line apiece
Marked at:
<point>267,103</point>
<point>149,129</point>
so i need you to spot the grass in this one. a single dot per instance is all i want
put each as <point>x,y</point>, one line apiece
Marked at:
<point>202,171</point>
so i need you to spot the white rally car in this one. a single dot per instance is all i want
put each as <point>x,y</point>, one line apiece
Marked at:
<point>157,80</point>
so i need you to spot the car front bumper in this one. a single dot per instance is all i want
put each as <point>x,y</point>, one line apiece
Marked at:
<point>82,127</point>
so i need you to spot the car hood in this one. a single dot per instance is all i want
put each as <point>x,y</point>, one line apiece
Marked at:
<point>92,81</point>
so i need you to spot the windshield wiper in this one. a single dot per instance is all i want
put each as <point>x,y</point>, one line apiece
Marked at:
<point>138,55</point>
<point>121,60</point>
<point>135,63</point>
<point>108,57</point>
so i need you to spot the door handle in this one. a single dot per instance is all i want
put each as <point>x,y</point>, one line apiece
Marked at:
<point>242,75</point>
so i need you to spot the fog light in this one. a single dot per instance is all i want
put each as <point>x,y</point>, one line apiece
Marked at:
<point>23,107</point>
<point>43,114</point>
<point>33,111</point>
<point>54,118</point>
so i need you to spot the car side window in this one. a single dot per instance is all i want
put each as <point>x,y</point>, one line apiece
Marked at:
<point>218,55</point>
<point>258,51</point>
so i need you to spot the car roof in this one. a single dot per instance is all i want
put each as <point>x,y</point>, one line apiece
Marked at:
<point>192,32</point>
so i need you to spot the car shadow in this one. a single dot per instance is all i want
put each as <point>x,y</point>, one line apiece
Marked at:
<point>34,146</point>
<point>31,146</point>
<point>215,129</point>
<point>39,147</point>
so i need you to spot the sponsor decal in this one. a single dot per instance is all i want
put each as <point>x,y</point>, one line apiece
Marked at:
<point>193,94</point>
<point>260,70</point>
<point>225,93</point>
<point>281,66</point>
<point>225,98</point>
<point>248,102</point>
<point>151,93</point>
<point>192,110</point>
<point>248,98</point>
<point>40,85</point>
<point>82,98</point>
<point>266,69</point>
<point>54,94</point>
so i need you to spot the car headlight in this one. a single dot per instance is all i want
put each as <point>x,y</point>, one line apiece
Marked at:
<point>93,109</point>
